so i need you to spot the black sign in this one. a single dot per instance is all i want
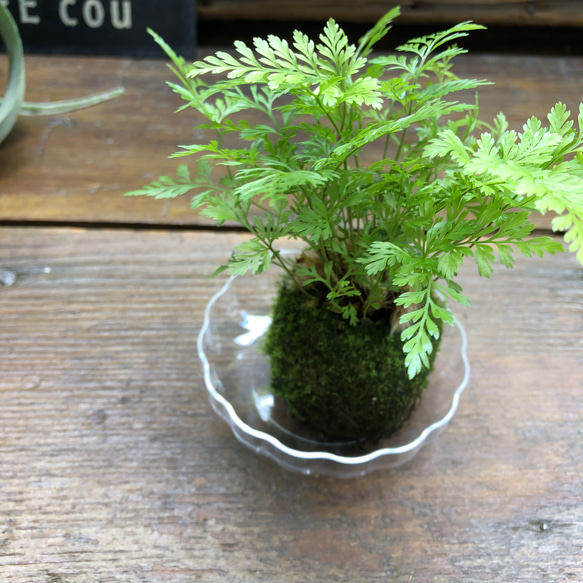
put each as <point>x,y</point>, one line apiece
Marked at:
<point>104,27</point>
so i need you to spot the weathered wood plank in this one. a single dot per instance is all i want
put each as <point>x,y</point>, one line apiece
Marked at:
<point>76,167</point>
<point>492,12</point>
<point>114,468</point>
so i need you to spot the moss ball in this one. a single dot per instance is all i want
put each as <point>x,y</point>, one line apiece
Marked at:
<point>347,381</point>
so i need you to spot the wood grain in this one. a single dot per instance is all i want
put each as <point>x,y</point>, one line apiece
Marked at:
<point>491,12</point>
<point>75,168</point>
<point>114,469</point>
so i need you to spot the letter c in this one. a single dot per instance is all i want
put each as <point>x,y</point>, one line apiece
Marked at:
<point>64,13</point>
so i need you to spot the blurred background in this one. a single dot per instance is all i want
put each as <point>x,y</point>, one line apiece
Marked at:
<point>514,26</point>
<point>118,27</point>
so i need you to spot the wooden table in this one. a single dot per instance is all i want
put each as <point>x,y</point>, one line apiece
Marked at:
<point>113,468</point>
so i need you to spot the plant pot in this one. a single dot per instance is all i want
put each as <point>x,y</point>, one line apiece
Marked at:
<point>238,379</point>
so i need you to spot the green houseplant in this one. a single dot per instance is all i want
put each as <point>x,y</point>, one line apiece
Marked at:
<point>359,314</point>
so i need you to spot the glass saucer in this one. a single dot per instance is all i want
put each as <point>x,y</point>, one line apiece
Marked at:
<point>237,377</point>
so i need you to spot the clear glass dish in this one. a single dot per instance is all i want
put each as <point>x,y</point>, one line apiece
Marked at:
<point>237,377</point>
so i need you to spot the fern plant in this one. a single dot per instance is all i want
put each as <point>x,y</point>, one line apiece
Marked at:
<point>391,233</point>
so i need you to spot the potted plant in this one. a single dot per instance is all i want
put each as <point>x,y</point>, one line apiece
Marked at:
<point>359,314</point>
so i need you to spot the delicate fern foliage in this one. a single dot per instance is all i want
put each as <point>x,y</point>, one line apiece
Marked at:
<point>293,121</point>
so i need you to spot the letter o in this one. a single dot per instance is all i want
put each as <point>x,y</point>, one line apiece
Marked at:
<point>93,13</point>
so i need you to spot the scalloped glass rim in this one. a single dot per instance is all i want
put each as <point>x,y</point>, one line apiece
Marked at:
<point>222,351</point>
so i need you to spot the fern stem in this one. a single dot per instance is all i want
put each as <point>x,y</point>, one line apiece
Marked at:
<point>327,115</point>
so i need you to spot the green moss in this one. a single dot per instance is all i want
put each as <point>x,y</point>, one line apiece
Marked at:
<point>347,381</point>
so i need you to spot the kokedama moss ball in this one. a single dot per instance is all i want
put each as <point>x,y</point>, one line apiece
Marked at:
<point>347,381</point>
